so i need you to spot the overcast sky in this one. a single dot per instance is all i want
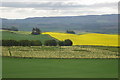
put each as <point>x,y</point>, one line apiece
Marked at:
<point>18,9</point>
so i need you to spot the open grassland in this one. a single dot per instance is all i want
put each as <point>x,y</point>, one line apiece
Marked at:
<point>61,52</point>
<point>87,39</point>
<point>22,35</point>
<point>59,68</point>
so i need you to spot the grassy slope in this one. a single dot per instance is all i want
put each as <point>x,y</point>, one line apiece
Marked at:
<point>9,35</point>
<point>59,68</point>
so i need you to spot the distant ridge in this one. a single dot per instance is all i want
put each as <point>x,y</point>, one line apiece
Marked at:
<point>107,23</point>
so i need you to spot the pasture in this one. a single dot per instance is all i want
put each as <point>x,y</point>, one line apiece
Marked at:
<point>22,35</point>
<point>59,68</point>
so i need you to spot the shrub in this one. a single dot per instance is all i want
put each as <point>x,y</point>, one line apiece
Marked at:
<point>61,43</point>
<point>9,43</point>
<point>21,43</point>
<point>36,43</point>
<point>36,31</point>
<point>68,42</point>
<point>71,32</point>
<point>50,43</point>
<point>24,43</point>
<point>13,28</point>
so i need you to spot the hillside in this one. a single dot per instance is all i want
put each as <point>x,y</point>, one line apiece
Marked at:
<point>91,23</point>
<point>87,39</point>
<point>22,35</point>
<point>82,39</point>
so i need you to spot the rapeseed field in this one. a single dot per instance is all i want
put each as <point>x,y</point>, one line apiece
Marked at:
<point>87,39</point>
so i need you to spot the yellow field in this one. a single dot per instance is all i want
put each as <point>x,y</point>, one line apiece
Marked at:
<point>87,39</point>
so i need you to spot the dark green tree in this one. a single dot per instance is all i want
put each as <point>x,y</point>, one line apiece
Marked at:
<point>36,43</point>
<point>13,28</point>
<point>50,43</point>
<point>68,42</point>
<point>24,43</point>
<point>61,43</point>
<point>10,43</point>
<point>70,32</point>
<point>36,31</point>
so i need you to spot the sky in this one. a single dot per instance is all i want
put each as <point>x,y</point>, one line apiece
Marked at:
<point>19,9</point>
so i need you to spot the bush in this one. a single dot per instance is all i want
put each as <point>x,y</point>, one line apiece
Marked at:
<point>68,42</point>
<point>50,43</point>
<point>36,31</point>
<point>13,28</point>
<point>61,43</point>
<point>24,43</point>
<point>10,43</point>
<point>70,32</point>
<point>21,43</point>
<point>36,43</point>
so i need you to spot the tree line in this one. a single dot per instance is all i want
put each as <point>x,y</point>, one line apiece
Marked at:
<point>66,42</point>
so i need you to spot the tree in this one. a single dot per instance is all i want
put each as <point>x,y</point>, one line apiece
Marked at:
<point>21,43</point>
<point>13,28</point>
<point>36,43</point>
<point>68,42</point>
<point>61,43</point>
<point>50,43</point>
<point>71,32</point>
<point>10,43</point>
<point>36,31</point>
<point>24,43</point>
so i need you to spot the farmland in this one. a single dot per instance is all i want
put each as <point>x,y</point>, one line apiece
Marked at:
<point>61,52</point>
<point>82,39</point>
<point>91,56</point>
<point>59,68</point>
<point>87,39</point>
<point>23,35</point>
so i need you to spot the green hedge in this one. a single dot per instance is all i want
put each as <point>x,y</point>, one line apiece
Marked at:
<point>21,43</point>
<point>67,42</point>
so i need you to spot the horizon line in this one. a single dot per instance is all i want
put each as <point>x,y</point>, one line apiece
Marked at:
<point>58,16</point>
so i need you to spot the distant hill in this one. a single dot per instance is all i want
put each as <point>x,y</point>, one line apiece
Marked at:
<point>90,23</point>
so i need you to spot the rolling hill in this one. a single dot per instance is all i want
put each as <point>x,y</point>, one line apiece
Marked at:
<point>96,39</point>
<point>87,39</point>
<point>23,35</point>
<point>90,23</point>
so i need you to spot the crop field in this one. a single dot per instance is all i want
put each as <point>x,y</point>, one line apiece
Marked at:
<point>87,39</point>
<point>22,35</point>
<point>61,52</point>
<point>82,60</point>
<point>59,68</point>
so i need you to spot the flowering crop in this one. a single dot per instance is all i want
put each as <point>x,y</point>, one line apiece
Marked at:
<point>87,39</point>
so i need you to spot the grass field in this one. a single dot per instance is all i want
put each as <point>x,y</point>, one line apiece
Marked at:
<point>59,68</point>
<point>61,52</point>
<point>22,35</point>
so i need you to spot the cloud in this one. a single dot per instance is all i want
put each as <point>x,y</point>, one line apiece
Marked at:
<point>54,5</point>
<point>47,8</point>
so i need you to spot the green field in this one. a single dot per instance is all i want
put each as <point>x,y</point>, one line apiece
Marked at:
<point>13,35</point>
<point>35,62</point>
<point>59,68</point>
